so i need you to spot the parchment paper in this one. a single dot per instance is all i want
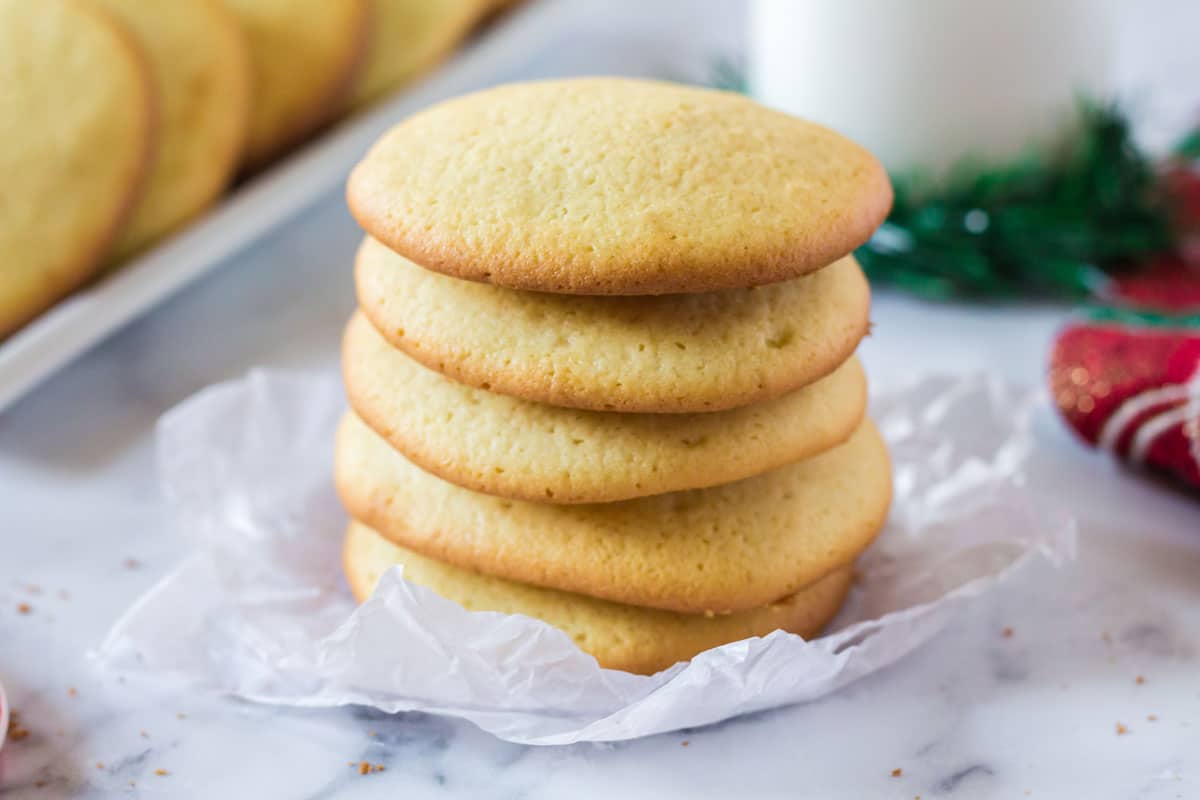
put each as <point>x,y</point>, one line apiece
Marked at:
<point>261,610</point>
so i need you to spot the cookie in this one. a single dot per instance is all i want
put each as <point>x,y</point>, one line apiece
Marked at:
<point>76,137</point>
<point>669,354</point>
<point>618,636</point>
<point>727,548</point>
<point>407,37</point>
<point>201,68</point>
<point>531,451</point>
<point>305,55</point>
<point>617,186</point>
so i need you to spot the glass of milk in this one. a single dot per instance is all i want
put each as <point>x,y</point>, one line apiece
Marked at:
<point>925,83</point>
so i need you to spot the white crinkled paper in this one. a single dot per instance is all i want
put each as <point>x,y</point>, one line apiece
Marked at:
<point>262,611</point>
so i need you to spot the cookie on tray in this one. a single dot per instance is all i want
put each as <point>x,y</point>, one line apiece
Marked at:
<point>201,67</point>
<point>77,110</point>
<point>305,55</point>
<point>408,37</point>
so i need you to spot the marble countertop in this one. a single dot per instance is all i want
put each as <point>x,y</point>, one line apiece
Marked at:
<point>1021,696</point>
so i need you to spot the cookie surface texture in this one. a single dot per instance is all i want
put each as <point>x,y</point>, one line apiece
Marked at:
<point>76,128</point>
<point>618,636</point>
<point>727,548</point>
<point>668,354</point>
<point>615,186</point>
<point>531,451</point>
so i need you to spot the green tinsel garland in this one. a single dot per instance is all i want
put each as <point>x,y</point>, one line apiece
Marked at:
<point>1049,224</point>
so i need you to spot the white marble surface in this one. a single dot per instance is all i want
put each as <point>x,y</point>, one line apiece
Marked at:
<point>974,715</point>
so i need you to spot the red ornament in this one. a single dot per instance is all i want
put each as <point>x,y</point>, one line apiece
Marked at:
<point>1128,379</point>
<point>1169,284</point>
<point>1134,392</point>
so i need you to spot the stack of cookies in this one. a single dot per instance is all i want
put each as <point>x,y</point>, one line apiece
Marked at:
<point>603,369</point>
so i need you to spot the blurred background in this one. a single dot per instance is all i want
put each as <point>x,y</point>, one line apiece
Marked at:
<point>1043,155</point>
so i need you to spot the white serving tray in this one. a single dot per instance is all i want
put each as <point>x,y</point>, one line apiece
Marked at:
<point>81,321</point>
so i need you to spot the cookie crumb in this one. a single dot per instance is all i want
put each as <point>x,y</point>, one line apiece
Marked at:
<point>363,768</point>
<point>99,765</point>
<point>685,743</point>
<point>162,773</point>
<point>16,731</point>
<point>897,772</point>
<point>71,690</point>
<point>1152,717</point>
<point>143,734</point>
<point>39,784</point>
<point>378,768</point>
<point>180,715</point>
<point>1121,729</point>
<point>373,734</point>
<point>33,588</point>
<point>24,608</point>
<point>1139,680</point>
<point>132,563</point>
<point>1007,633</point>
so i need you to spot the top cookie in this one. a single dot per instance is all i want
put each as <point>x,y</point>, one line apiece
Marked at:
<point>613,186</point>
